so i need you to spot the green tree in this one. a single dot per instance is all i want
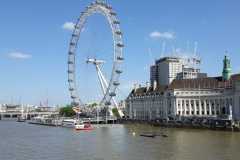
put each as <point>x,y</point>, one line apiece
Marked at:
<point>115,112</point>
<point>94,105</point>
<point>67,111</point>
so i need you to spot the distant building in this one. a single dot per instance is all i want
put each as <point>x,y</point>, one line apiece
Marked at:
<point>166,69</point>
<point>194,96</point>
<point>10,108</point>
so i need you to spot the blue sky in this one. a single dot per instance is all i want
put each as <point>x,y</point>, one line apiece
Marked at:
<point>34,43</point>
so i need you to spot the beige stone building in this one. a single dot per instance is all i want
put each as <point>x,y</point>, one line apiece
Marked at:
<point>209,97</point>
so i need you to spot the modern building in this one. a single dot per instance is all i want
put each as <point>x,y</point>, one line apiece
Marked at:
<point>166,69</point>
<point>175,98</point>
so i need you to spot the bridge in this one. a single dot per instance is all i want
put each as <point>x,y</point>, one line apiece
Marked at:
<point>29,114</point>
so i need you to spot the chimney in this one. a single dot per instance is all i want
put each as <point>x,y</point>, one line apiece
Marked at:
<point>154,85</point>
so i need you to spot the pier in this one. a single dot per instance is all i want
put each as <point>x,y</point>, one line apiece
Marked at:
<point>12,115</point>
<point>50,121</point>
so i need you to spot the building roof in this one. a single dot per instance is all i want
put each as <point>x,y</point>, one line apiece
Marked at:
<point>144,90</point>
<point>235,77</point>
<point>168,59</point>
<point>12,106</point>
<point>204,83</point>
<point>198,83</point>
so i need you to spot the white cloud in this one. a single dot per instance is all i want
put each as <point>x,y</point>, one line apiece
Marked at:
<point>70,26</point>
<point>19,55</point>
<point>162,35</point>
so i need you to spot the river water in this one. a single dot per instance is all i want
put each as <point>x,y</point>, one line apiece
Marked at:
<point>22,141</point>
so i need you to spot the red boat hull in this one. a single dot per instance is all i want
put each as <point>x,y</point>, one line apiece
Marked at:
<point>84,129</point>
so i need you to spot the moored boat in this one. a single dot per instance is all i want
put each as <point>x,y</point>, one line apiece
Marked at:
<point>45,120</point>
<point>21,119</point>
<point>83,126</point>
<point>70,123</point>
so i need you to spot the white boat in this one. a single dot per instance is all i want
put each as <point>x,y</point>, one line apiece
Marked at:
<point>80,126</point>
<point>21,119</point>
<point>37,120</point>
<point>69,123</point>
<point>76,124</point>
<point>46,120</point>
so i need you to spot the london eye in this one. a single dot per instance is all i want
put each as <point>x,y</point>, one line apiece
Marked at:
<point>109,84</point>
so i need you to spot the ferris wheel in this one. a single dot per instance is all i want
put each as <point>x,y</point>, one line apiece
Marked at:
<point>108,86</point>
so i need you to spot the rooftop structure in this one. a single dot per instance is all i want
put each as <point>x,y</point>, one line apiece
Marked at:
<point>226,68</point>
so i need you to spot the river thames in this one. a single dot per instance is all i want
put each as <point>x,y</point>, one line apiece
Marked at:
<point>22,141</point>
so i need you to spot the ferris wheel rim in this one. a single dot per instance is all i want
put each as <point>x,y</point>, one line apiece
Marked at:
<point>107,11</point>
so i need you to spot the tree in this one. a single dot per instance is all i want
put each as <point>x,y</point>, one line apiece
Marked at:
<point>92,105</point>
<point>115,112</point>
<point>67,111</point>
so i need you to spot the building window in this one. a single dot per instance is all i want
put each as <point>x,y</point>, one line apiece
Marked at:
<point>197,103</point>
<point>187,103</point>
<point>179,108</point>
<point>192,103</point>
<point>179,103</point>
<point>223,110</point>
